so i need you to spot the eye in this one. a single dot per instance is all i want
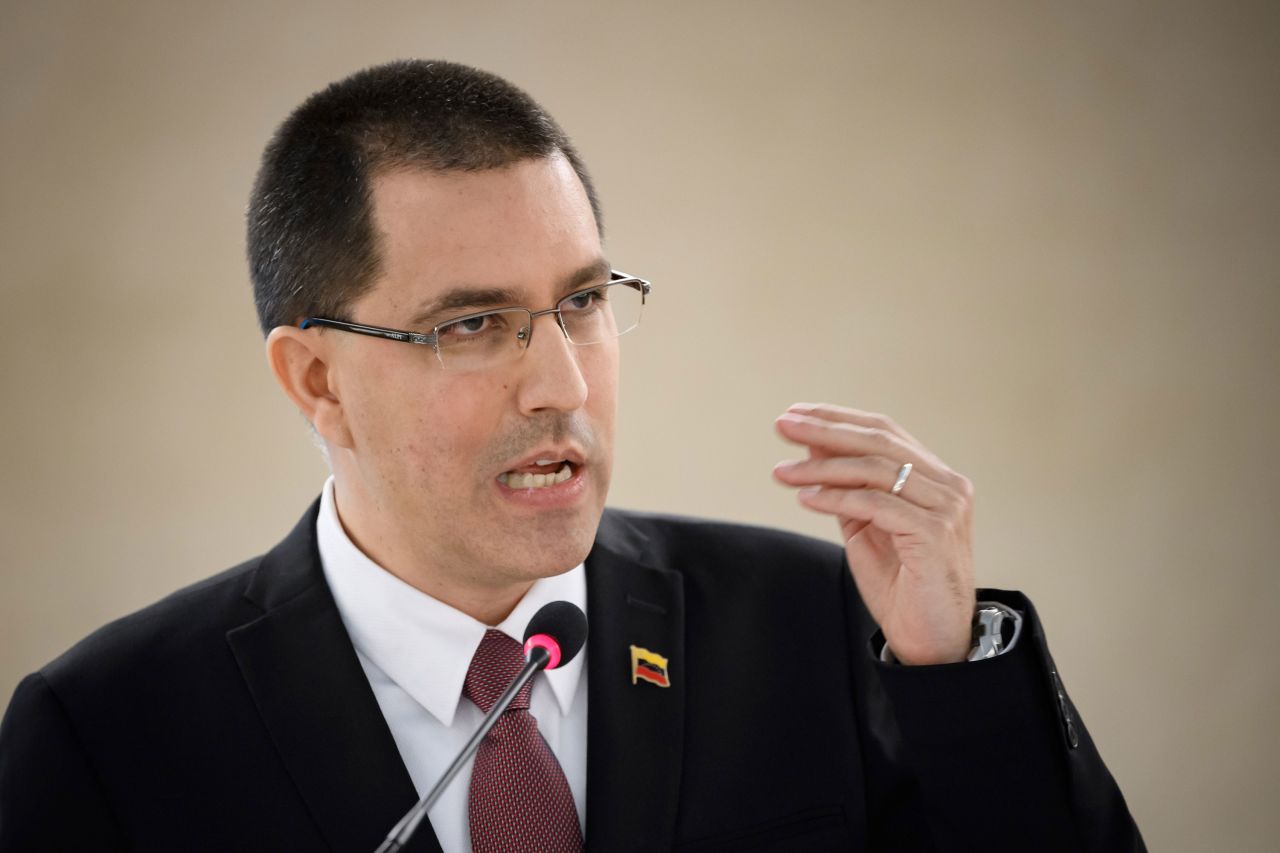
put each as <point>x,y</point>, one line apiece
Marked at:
<point>584,300</point>
<point>472,327</point>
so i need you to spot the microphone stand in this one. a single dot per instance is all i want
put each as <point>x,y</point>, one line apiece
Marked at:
<point>402,831</point>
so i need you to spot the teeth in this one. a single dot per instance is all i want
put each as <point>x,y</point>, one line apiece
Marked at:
<point>515,480</point>
<point>546,462</point>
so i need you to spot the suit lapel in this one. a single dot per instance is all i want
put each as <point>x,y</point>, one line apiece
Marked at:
<point>314,699</point>
<point>634,730</point>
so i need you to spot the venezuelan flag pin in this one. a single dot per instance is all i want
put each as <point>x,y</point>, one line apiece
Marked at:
<point>649,666</point>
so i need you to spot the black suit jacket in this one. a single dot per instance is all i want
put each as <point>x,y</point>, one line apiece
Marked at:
<point>234,715</point>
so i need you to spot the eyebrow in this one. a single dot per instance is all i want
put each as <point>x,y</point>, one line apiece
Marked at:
<point>455,299</point>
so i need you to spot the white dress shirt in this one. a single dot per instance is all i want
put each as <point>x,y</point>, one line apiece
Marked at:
<point>415,651</point>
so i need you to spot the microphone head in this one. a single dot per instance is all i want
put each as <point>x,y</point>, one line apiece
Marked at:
<point>560,628</point>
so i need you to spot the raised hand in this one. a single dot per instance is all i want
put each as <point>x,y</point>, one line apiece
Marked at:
<point>911,553</point>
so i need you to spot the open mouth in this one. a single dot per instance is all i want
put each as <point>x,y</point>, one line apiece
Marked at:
<point>540,475</point>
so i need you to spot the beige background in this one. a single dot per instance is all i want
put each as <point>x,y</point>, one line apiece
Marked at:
<point>1041,235</point>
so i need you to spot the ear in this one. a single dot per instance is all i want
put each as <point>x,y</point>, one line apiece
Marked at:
<point>302,365</point>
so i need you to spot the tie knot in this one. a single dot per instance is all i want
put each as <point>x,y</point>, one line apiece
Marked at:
<point>495,665</point>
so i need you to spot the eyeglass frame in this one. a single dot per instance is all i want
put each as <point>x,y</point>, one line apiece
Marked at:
<point>432,338</point>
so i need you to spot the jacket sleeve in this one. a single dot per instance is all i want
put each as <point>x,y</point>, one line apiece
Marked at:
<point>50,797</point>
<point>981,755</point>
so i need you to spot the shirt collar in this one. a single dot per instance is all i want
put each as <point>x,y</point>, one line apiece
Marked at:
<point>422,644</point>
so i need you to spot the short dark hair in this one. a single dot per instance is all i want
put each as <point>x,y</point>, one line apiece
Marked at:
<point>312,246</point>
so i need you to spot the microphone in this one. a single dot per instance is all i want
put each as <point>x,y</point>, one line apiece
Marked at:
<point>559,629</point>
<point>555,635</point>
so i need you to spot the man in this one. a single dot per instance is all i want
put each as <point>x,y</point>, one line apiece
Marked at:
<point>425,249</point>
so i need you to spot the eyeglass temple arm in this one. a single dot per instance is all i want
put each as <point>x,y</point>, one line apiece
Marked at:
<point>428,339</point>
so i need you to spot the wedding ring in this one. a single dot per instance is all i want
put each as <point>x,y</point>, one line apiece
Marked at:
<point>903,473</point>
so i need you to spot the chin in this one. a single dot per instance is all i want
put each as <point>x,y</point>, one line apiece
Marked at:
<point>554,547</point>
<point>563,554</point>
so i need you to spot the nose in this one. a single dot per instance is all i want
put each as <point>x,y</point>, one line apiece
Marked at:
<point>551,375</point>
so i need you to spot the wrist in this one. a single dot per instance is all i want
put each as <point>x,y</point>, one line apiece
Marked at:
<point>995,630</point>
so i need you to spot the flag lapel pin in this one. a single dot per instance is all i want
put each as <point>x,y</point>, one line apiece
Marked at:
<point>649,666</point>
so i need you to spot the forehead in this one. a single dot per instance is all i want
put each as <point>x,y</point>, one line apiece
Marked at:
<point>521,227</point>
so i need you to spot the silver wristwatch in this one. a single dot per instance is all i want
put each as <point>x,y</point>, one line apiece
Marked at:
<point>996,629</point>
<point>992,621</point>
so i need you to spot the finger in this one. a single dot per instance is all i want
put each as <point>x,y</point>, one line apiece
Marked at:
<point>849,415</point>
<point>888,512</point>
<point>857,472</point>
<point>851,527</point>
<point>833,438</point>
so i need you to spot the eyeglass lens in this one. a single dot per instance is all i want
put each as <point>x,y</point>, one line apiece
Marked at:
<point>589,317</point>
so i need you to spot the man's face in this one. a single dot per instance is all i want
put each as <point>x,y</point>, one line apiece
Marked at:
<point>420,488</point>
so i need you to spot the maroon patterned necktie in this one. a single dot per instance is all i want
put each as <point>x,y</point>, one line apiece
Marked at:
<point>520,799</point>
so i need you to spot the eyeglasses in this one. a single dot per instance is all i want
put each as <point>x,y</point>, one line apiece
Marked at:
<point>489,339</point>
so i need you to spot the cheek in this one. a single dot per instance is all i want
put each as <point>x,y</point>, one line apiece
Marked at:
<point>601,372</point>
<point>390,411</point>
<point>441,434</point>
<point>604,412</point>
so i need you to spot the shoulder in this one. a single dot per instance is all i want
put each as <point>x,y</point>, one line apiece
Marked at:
<point>184,635</point>
<point>746,587</point>
<point>730,551</point>
<point>174,633</point>
<point>680,533</point>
